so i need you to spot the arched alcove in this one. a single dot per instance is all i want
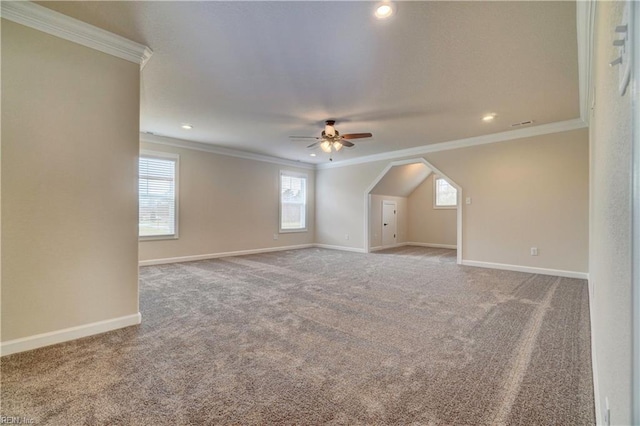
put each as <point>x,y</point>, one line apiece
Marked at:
<point>402,177</point>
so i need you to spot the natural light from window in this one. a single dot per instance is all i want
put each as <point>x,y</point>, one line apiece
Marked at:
<point>157,195</point>
<point>293,201</point>
<point>446,196</point>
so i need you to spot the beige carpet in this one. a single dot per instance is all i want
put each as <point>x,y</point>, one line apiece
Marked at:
<point>317,336</point>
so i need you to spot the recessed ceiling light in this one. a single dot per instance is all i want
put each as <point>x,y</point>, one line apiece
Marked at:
<point>384,10</point>
<point>313,155</point>
<point>187,126</point>
<point>489,117</point>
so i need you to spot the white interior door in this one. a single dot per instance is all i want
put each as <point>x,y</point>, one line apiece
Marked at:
<point>389,214</point>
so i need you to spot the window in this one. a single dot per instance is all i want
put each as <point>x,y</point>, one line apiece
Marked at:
<point>293,202</point>
<point>444,195</point>
<point>157,192</point>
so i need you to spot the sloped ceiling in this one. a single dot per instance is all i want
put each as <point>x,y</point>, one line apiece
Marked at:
<point>401,181</point>
<point>247,75</point>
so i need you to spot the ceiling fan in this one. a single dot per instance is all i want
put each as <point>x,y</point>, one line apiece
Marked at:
<point>331,140</point>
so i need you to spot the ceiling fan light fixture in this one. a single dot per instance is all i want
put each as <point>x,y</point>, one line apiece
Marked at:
<point>384,10</point>
<point>331,140</point>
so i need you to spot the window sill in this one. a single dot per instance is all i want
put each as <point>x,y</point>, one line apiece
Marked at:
<point>445,207</point>
<point>291,231</point>
<point>157,238</point>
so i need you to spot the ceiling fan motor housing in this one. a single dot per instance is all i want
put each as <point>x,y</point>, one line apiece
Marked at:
<point>334,138</point>
<point>329,130</point>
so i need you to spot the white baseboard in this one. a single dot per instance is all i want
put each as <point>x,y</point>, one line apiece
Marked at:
<point>378,248</point>
<point>433,245</point>
<point>446,246</point>
<point>342,248</point>
<point>594,362</point>
<point>222,254</point>
<point>517,268</point>
<point>594,357</point>
<point>272,249</point>
<point>45,339</point>
<point>529,269</point>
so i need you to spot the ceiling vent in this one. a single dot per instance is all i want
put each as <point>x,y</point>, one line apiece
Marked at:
<point>522,123</point>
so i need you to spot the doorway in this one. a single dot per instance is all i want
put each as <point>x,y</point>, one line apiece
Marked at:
<point>389,223</point>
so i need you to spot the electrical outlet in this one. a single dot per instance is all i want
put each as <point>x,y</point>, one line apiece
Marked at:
<point>468,200</point>
<point>275,236</point>
<point>534,251</point>
<point>346,236</point>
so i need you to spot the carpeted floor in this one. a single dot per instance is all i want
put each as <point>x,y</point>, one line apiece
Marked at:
<point>315,336</point>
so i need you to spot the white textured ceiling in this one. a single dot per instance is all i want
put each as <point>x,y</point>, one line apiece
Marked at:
<point>401,181</point>
<point>249,74</point>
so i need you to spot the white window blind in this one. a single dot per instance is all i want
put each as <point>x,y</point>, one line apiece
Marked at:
<point>157,196</point>
<point>445,194</point>
<point>293,201</point>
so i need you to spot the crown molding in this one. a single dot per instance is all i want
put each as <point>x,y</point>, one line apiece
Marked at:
<point>46,20</point>
<point>543,129</point>
<point>214,149</point>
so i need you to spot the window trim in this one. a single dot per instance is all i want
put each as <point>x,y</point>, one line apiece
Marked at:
<point>176,159</point>
<point>306,201</point>
<point>435,194</point>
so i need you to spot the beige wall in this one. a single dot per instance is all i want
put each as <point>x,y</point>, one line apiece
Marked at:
<point>342,203</point>
<point>69,209</point>
<point>375,219</point>
<point>610,253</point>
<point>427,224</point>
<point>227,204</point>
<point>528,192</point>
<point>533,192</point>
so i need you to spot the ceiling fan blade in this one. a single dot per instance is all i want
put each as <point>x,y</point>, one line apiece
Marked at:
<point>357,135</point>
<point>346,143</point>
<point>313,145</point>
<point>303,137</point>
